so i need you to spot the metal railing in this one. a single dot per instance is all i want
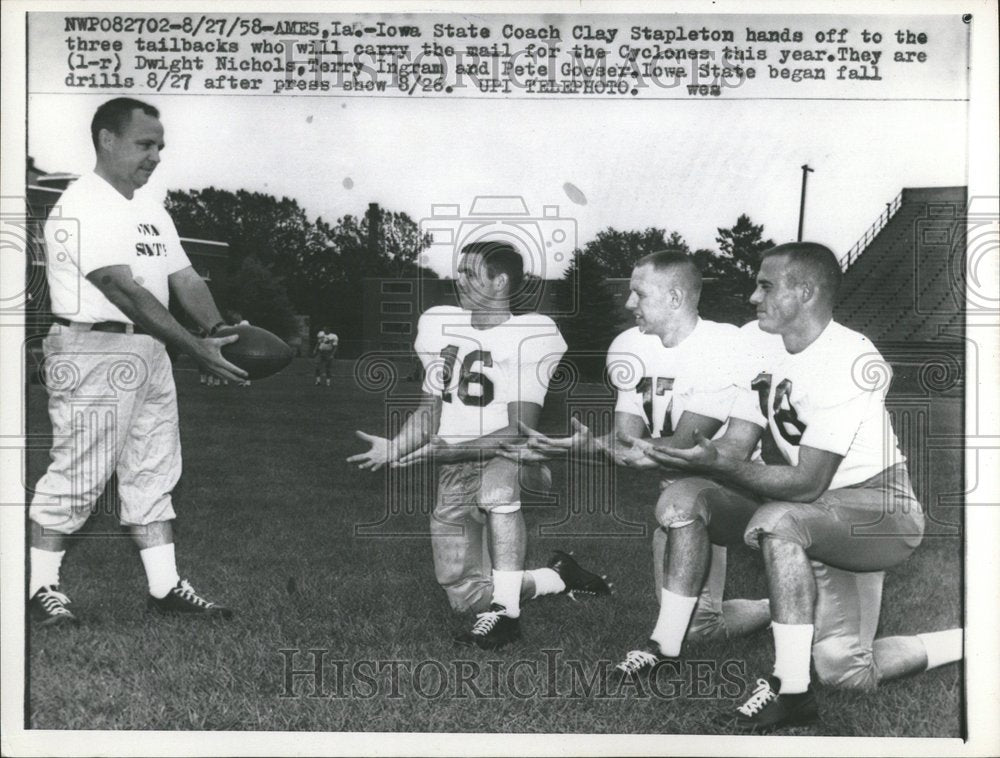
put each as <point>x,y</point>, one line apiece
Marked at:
<point>873,231</point>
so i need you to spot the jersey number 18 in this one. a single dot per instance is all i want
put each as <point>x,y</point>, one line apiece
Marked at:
<point>783,417</point>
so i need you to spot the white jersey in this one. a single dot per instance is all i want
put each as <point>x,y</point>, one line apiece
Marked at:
<point>830,396</point>
<point>96,226</point>
<point>477,372</point>
<point>325,342</point>
<point>659,383</point>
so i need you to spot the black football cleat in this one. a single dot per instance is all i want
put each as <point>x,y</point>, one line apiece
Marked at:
<point>576,578</point>
<point>49,607</point>
<point>493,630</point>
<point>767,710</point>
<point>182,600</point>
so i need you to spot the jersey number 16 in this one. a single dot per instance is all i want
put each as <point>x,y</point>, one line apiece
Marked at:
<point>467,377</point>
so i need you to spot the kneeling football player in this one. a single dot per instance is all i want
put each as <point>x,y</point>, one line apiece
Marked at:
<point>836,512</point>
<point>486,372</point>
<point>674,373</point>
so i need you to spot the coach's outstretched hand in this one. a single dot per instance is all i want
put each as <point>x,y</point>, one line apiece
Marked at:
<point>378,455</point>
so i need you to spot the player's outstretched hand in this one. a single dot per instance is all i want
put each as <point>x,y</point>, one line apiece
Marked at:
<point>626,450</point>
<point>208,355</point>
<point>378,455</point>
<point>521,452</point>
<point>703,455</point>
<point>580,441</point>
<point>423,453</point>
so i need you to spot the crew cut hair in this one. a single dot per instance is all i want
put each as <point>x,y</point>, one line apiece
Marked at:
<point>667,260</point>
<point>114,116</point>
<point>817,261</point>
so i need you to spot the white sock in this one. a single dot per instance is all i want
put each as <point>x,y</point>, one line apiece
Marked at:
<point>672,623</point>
<point>547,582</point>
<point>942,647</point>
<point>161,569</point>
<point>507,591</point>
<point>44,569</point>
<point>792,655</point>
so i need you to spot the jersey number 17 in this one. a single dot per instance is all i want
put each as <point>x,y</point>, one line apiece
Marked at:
<point>662,385</point>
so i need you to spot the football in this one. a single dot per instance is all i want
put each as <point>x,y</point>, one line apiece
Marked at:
<point>257,351</point>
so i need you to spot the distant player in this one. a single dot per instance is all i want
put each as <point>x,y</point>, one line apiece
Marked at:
<point>325,351</point>
<point>836,514</point>
<point>675,373</point>
<point>486,371</point>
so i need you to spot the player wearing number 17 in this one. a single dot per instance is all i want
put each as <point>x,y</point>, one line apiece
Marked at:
<point>836,512</point>
<point>486,372</point>
<point>675,376</point>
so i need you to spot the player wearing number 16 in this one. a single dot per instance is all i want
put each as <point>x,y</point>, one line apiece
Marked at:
<point>486,372</point>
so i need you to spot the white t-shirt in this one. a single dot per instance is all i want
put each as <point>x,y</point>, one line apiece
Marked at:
<point>477,372</point>
<point>325,342</point>
<point>830,396</point>
<point>659,383</point>
<point>96,226</point>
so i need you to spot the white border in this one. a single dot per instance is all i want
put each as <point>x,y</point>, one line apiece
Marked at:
<point>982,525</point>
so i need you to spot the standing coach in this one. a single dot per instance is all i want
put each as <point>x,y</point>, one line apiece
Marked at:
<point>112,400</point>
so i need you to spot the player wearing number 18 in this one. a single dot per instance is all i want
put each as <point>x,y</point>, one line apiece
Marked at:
<point>486,372</point>
<point>836,512</point>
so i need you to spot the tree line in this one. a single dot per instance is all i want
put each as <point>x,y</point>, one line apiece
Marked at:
<point>283,263</point>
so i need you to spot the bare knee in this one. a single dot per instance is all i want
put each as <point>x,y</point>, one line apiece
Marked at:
<point>777,520</point>
<point>681,503</point>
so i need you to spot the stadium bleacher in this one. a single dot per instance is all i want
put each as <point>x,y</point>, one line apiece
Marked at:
<point>904,288</point>
<point>905,284</point>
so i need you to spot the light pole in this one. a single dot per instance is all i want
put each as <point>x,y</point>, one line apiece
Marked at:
<point>802,204</point>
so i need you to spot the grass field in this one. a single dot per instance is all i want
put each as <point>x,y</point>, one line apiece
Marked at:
<point>272,522</point>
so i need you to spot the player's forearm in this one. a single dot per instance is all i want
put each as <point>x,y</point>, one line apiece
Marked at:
<point>488,445</point>
<point>416,431</point>
<point>772,482</point>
